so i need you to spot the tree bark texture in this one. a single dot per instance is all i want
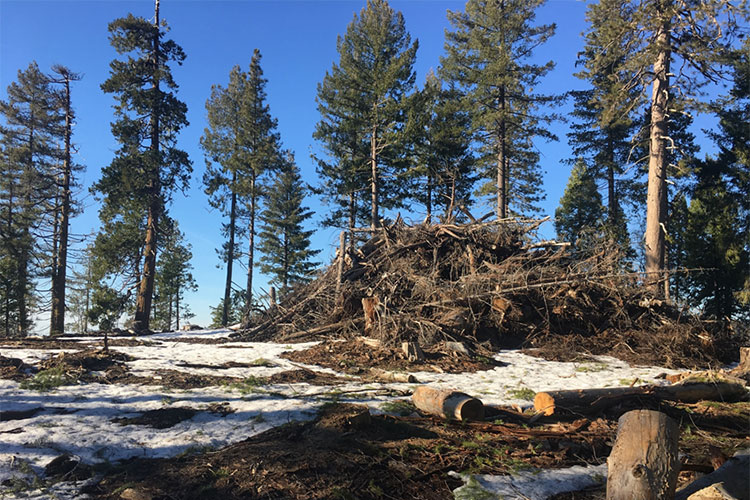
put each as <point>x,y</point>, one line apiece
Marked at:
<point>146,289</point>
<point>60,277</point>
<point>656,202</point>
<point>374,218</point>
<point>643,464</point>
<point>449,404</point>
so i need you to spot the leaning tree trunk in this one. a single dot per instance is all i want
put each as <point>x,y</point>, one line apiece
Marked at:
<point>657,165</point>
<point>146,288</point>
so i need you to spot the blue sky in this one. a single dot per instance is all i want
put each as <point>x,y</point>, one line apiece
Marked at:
<point>298,42</point>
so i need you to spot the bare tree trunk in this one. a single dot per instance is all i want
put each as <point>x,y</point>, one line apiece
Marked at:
<point>502,195</point>
<point>374,219</point>
<point>60,277</point>
<point>250,253</point>
<point>146,288</point>
<point>230,254</point>
<point>657,165</point>
<point>177,308</point>
<point>352,215</point>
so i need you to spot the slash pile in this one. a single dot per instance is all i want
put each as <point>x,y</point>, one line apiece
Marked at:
<point>491,283</point>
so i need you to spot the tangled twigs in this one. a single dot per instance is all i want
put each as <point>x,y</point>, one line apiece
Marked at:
<point>486,282</point>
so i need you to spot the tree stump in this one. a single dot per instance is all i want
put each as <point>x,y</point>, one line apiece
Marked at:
<point>643,464</point>
<point>447,403</point>
<point>369,305</point>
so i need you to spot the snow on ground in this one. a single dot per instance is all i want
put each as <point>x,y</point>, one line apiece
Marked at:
<point>78,419</point>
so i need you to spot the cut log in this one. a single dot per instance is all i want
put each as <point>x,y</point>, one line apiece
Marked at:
<point>643,463</point>
<point>733,477</point>
<point>369,304</point>
<point>386,376</point>
<point>447,403</point>
<point>592,401</point>
<point>412,351</point>
<point>744,365</point>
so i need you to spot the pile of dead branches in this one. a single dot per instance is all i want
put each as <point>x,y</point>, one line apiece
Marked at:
<point>487,282</point>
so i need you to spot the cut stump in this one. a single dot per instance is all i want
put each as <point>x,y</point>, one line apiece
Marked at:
<point>643,464</point>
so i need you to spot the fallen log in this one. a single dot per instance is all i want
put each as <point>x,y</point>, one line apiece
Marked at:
<point>447,403</point>
<point>731,478</point>
<point>643,463</point>
<point>386,376</point>
<point>592,401</point>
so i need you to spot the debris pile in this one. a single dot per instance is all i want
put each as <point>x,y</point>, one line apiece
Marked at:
<point>490,283</point>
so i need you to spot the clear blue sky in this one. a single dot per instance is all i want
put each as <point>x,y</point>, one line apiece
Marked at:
<point>298,42</point>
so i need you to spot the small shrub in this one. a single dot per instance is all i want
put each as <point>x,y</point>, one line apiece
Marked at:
<point>525,393</point>
<point>399,407</point>
<point>47,380</point>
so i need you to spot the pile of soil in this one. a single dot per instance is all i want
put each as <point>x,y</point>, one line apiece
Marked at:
<point>492,284</point>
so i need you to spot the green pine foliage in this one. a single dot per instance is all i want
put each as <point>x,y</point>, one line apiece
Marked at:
<point>148,167</point>
<point>242,147</point>
<point>27,156</point>
<point>173,279</point>
<point>443,163</point>
<point>363,105</point>
<point>580,215</point>
<point>490,57</point>
<point>283,240</point>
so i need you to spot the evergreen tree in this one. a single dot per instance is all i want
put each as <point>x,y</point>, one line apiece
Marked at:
<point>27,157</point>
<point>443,161</point>
<point>675,48</point>
<point>581,211</point>
<point>601,135</point>
<point>362,103</point>
<point>80,286</point>
<point>235,310</point>
<point>148,167</point>
<point>490,54</point>
<point>283,240</point>
<point>241,146</point>
<point>64,203</point>
<point>173,278</point>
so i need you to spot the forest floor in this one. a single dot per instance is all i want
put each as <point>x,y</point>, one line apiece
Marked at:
<point>202,415</point>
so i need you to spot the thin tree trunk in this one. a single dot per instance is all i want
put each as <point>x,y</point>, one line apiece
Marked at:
<point>59,280</point>
<point>428,203</point>
<point>146,289</point>
<point>374,219</point>
<point>502,195</point>
<point>230,254</point>
<point>251,252</point>
<point>657,164</point>
<point>177,308</point>
<point>352,215</point>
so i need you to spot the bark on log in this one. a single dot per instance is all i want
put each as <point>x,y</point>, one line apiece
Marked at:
<point>643,464</point>
<point>592,401</point>
<point>734,477</point>
<point>447,403</point>
<point>386,376</point>
<point>412,351</point>
<point>744,365</point>
<point>369,304</point>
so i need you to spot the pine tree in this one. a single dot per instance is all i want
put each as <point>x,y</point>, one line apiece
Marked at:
<point>675,48</point>
<point>490,55</point>
<point>362,103</point>
<point>63,206</point>
<point>581,212</point>
<point>148,167</point>
<point>242,140</point>
<point>173,278</point>
<point>28,154</point>
<point>283,240</point>
<point>443,161</point>
<point>602,134</point>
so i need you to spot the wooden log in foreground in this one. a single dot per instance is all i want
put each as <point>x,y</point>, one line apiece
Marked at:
<point>643,464</point>
<point>592,401</point>
<point>731,480</point>
<point>447,403</point>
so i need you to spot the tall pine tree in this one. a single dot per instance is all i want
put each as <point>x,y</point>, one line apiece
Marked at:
<point>283,239</point>
<point>148,166</point>
<point>241,145</point>
<point>581,210</point>
<point>363,103</point>
<point>490,54</point>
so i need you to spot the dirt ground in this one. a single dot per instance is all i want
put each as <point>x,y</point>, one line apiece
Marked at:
<point>346,453</point>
